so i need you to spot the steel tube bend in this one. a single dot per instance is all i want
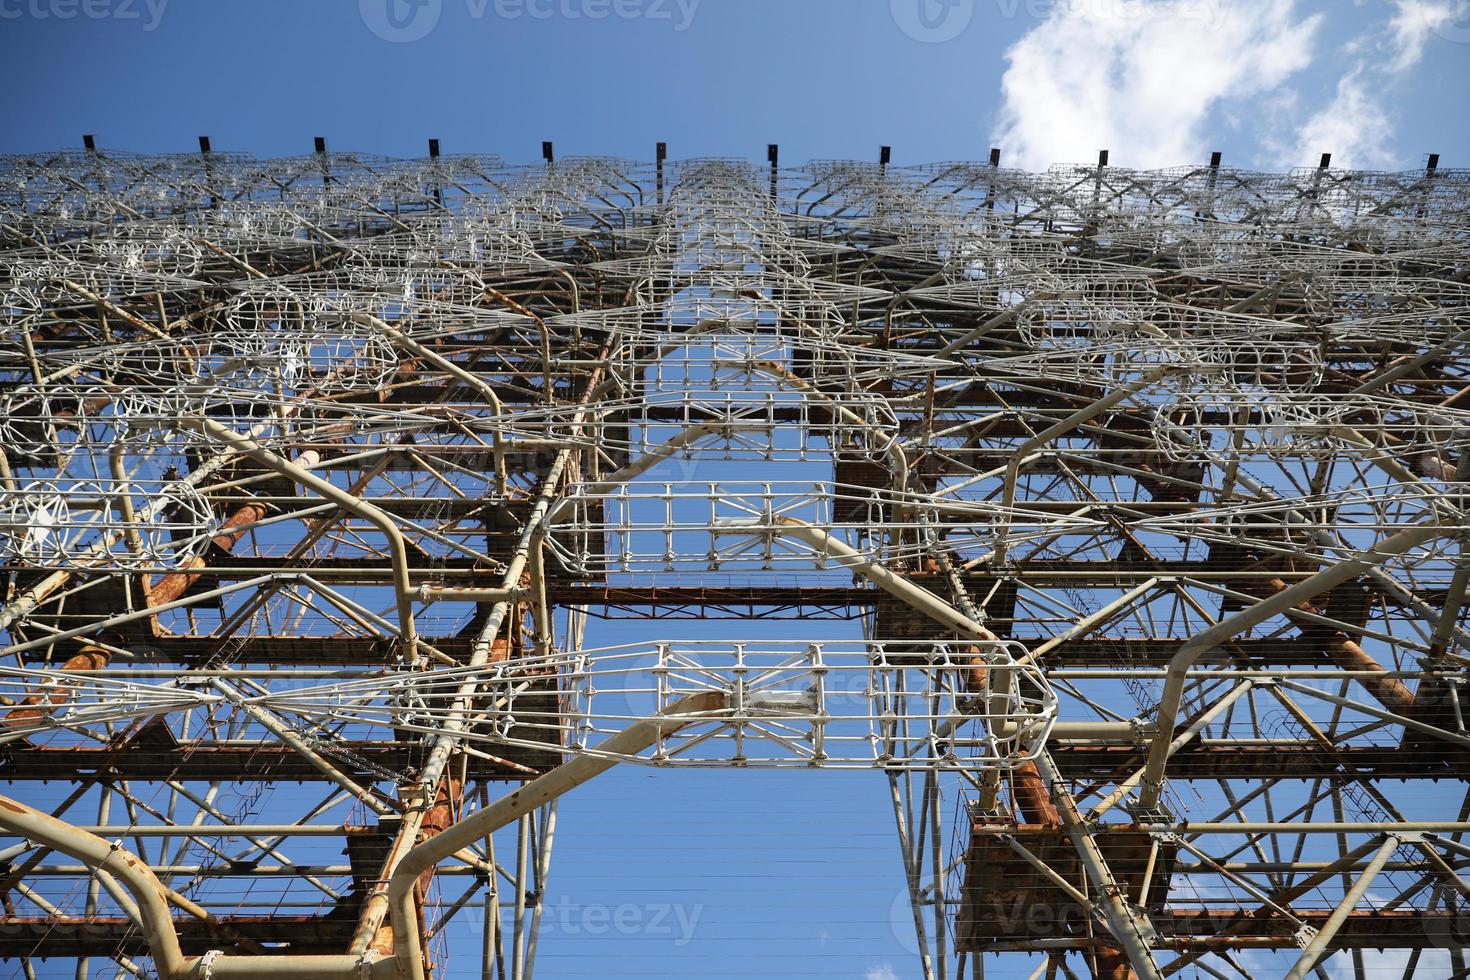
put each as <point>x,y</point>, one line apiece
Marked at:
<point>511,807</point>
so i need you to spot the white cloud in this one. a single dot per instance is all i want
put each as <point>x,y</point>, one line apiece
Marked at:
<point>1142,79</point>
<point>1146,79</point>
<point>1385,964</point>
<point>884,972</point>
<point>1412,24</point>
<point>1355,125</point>
<point>1389,963</point>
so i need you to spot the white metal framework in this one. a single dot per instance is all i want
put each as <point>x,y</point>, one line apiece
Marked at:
<point>1115,517</point>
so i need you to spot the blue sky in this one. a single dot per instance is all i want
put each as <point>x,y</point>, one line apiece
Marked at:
<point>765,874</point>
<point>1271,83</point>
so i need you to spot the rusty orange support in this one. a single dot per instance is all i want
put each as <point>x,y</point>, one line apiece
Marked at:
<point>173,585</point>
<point>1033,800</point>
<point>1348,655</point>
<point>1028,789</point>
<point>39,706</point>
<point>1110,963</point>
<point>444,813</point>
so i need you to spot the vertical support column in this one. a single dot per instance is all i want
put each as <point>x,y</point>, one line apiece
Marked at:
<point>910,846</point>
<point>1128,925</point>
<point>548,153</point>
<point>89,142</point>
<point>94,886</point>
<point>660,152</point>
<point>990,192</point>
<point>1102,162</point>
<point>885,153</point>
<point>773,155</point>
<point>518,924</point>
<point>1210,182</point>
<point>321,153</point>
<point>540,867</point>
<point>206,152</point>
<point>438,189</point>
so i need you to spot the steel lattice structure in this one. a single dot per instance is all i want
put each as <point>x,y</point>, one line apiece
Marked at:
<point>1122,509</point>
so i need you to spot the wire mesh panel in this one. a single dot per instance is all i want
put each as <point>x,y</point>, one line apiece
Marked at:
<point>1113,517</point>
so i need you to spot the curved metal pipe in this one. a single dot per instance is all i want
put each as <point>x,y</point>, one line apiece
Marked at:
<point>400,339</point>
<point>397,547</point>
<point>103,856</point>
<point>157,922</point>
<point>1152,784</point>
<point>636,737</point>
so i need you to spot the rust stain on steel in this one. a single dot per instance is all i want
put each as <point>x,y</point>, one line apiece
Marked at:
<point>173,585</point>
